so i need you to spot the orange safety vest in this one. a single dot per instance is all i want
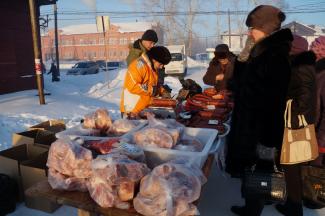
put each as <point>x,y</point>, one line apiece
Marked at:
<point>138,85</point>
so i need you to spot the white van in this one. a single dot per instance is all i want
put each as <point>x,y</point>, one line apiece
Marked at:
<point>178,63</point>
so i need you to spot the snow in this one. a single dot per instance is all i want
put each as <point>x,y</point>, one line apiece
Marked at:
<point>74,96</point>
<point>92,28</point>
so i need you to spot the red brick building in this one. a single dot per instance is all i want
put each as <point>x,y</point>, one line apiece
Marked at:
<point>83,42</point>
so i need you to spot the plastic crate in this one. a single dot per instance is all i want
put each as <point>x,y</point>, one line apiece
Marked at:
<point>156,156</point>
<point>84,133</point>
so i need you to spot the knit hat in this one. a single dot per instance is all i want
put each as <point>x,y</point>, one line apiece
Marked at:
<point>266,18</point>
<point>221,51</point>
<point>160,54</point>
<point>299,44</point>
<point>150,35</point>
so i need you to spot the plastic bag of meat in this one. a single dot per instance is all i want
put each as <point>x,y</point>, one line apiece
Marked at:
<point>70,158</point>
<point>121,126</point>
<point>169,190</point>
<point>100,119</point>
<point>170,126</point>
<point>59,181</point>
<point>113,179</point>
<point>153,137</point>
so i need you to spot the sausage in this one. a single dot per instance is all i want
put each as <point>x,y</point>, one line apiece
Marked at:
<point>158,102</point>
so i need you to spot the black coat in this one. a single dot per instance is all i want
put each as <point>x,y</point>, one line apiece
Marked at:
<point>260,99</point>
<point>302,87</point>
<point>215,68</point>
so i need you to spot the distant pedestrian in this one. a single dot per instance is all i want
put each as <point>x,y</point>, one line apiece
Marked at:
<point>220,68</point>
<point>55,73</point>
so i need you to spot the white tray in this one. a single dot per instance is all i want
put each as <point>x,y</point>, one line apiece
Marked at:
<point>156,156</point>
<point>80,132</point>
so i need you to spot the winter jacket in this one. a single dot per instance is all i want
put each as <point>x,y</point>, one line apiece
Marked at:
<point>320,109</point>
<point>216,68</point>
<point>262,84</point>
<point>139,85</point>
<point>302,88</point>
<point>136,49</point>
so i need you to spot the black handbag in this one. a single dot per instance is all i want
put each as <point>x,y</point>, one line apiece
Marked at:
<point>267,184</point>
<point>313,179</point>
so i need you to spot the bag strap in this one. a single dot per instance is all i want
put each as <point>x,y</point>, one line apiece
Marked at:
<point>287,114</point>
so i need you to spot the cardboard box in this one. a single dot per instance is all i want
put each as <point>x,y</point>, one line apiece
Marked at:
<point>38,137</point>
<point>33,171</point>
<point>53,126</point>
<point>10,160</point>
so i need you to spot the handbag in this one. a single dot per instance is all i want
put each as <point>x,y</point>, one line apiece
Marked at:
<point>298,145</point>
<point>313,179</point>
<point>267,184</point>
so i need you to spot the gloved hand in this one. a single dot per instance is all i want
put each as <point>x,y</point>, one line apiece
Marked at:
<point>244,54</point>
<point>154,90</point>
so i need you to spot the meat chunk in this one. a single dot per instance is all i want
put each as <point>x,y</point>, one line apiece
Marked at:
<point>113,179</point>
<point>121,126</point>
<point>100,119</point>
<point>153,137</point>
<point>169,190</point>
<point>70,158</point>
<point>59,181</point>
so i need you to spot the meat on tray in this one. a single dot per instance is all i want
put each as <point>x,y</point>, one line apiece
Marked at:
<point>100,119</point>
<point>102,146</point>
<point>153,137</point>
<point>121,126</point>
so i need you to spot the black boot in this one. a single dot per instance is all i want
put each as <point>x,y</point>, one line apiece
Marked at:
<point>238,210</point>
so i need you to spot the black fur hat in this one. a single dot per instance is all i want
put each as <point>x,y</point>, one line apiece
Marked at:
<point>160,54</point>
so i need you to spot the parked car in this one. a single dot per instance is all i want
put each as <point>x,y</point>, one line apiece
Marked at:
<point>178,64</point>
<point>111,65</point>
<point>82,68</point>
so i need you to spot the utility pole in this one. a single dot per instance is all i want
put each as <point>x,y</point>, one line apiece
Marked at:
<point>37,50</point>
<point>55,8</point>
<point>229,29</point>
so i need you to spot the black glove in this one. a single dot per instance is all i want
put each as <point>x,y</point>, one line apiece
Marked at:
<point>154,90</point>
<point>167,88</point>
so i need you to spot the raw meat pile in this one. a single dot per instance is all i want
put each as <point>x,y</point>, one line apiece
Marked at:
<point>159,133</point>
<point>70,165</point>
<point>169,190</point>
<point>101,121</point>
<point>113,179</point>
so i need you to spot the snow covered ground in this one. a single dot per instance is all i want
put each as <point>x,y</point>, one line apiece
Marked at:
<point>75,96</point>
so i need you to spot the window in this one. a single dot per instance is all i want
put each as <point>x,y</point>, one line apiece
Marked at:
<point>101,40</point>
<point>121,41</point>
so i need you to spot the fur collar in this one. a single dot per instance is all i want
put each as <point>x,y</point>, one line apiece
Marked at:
<point>279,41</point>
<point>304,58</point>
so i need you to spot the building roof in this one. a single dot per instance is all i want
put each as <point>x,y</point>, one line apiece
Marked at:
<point>92,28</point>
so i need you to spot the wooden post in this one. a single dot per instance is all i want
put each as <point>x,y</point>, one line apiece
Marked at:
<point>37,50</point>
<point>57,56</point>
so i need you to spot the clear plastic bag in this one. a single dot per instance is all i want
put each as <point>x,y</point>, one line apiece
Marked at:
<point>169,190</point>
<point>121,126</point>
<point>100,119</point>
<point>113,179</point>
<point>59,181</point>
<point>70,158</point>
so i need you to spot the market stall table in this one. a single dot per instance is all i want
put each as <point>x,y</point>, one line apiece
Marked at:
<point>82,200</point>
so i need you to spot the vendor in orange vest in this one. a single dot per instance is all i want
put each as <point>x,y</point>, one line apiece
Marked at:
<point>141,79</point>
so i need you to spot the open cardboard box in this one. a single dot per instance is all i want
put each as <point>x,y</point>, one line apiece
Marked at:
<point>53,126</point>
<point>33,171</point>
<point>38,137</point>
<point>10,160</point>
